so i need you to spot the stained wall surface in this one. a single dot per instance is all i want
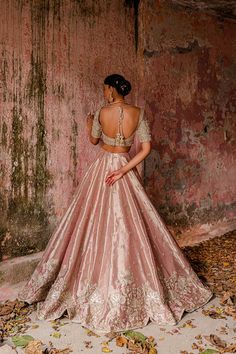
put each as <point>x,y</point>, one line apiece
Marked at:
<point>54,57</point>
<point>188,69</point>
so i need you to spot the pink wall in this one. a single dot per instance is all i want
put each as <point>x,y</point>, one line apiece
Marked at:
<point>54,57</point>
<point>188,80</point>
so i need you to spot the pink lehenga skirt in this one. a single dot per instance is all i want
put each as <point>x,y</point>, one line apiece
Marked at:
<point>111,263</point>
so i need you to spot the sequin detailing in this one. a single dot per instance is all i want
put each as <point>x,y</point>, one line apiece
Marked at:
<point>142,131</point>
<point>96,127</point>
<point>126,305</point>
<point>41,280</point>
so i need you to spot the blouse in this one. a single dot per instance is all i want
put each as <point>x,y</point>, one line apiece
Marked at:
<point>142,131</point>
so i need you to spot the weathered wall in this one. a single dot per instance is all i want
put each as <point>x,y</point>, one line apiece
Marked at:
<point>54,57</point>
<point>188,66</point>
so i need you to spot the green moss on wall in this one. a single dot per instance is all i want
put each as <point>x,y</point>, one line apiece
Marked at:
<point>26,228</point>
<point>3,74</point>
<point>4,135</point>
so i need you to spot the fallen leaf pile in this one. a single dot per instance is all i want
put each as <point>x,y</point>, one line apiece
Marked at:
<point>14,321</point>
<point>220,344</point>
<point>135,341</point>
<point>227,308</point>
<point>214,261</point>
<point>14,317</point>
<point>34,346</point>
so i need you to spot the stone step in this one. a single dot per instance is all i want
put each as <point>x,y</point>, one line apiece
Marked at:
<point>18,269</point>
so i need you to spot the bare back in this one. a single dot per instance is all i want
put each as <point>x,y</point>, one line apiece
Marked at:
<point>109,118</point>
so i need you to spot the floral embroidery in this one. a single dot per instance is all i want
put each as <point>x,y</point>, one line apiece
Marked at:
<point>143,130</point>
<point>40,281</point>
<point>126,306</point>
<point>186,291</point>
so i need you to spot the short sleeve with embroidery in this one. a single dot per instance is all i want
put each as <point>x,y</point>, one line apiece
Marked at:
<point>96,130</point>
<point>143,130</point>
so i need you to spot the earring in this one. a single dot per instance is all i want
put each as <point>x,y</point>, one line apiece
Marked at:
<point>111,99</point>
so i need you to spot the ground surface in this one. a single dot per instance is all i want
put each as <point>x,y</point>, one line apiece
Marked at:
<point>210,327</point>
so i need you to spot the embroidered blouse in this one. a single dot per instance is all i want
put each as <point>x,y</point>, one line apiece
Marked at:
<point>142,131</point>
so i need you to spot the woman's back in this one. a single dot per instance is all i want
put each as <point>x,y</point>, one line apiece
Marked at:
<point>109,119</point>
<point>118,124</point>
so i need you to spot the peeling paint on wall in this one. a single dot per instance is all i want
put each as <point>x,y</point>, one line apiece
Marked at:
<point>190,98</point>
<point>52,66</point>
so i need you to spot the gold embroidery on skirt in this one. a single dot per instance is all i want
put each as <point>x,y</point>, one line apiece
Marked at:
<point>126,305</point>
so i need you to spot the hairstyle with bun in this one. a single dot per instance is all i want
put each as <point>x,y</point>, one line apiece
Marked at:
<point>122,85</point>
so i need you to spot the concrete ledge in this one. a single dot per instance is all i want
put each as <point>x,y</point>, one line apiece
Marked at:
<point>19,269</point>
<point>205,232</point>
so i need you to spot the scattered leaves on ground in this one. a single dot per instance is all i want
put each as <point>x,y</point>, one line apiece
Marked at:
<point>14,318</point>
<point>214,261</point>
<point>135,341</point>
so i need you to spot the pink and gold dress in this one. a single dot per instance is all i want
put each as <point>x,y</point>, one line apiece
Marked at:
<point>111,262</point>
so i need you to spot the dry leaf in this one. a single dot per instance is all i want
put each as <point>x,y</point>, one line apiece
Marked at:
<point>34,347</point>
<point>106,350</point>
<point>152,351</point>
<point>151,338</point>
<point>88,344</point>
<point>91,333</point>
<point>231,348</point>
<point>194,346</point>
<point>56,335</point>
<point>121,341</point>
<point>216,341</point>
<point>34,326</point>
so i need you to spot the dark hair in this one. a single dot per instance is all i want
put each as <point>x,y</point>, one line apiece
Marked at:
<point>122,86</point>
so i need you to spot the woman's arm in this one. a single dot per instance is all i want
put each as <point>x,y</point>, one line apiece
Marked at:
<point>140,156</point>
<point>90,118</point>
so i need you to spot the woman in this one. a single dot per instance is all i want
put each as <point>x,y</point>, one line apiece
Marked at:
<point>111,263</point>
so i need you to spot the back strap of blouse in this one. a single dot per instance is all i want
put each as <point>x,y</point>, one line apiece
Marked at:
<point>119,135</point>
<point>142,130</point>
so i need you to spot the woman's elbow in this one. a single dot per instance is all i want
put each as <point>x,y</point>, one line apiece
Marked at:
<point>147,147</point>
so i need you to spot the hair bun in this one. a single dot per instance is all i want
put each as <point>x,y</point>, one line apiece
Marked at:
<point>125,87</point>
<point>122,85</point>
